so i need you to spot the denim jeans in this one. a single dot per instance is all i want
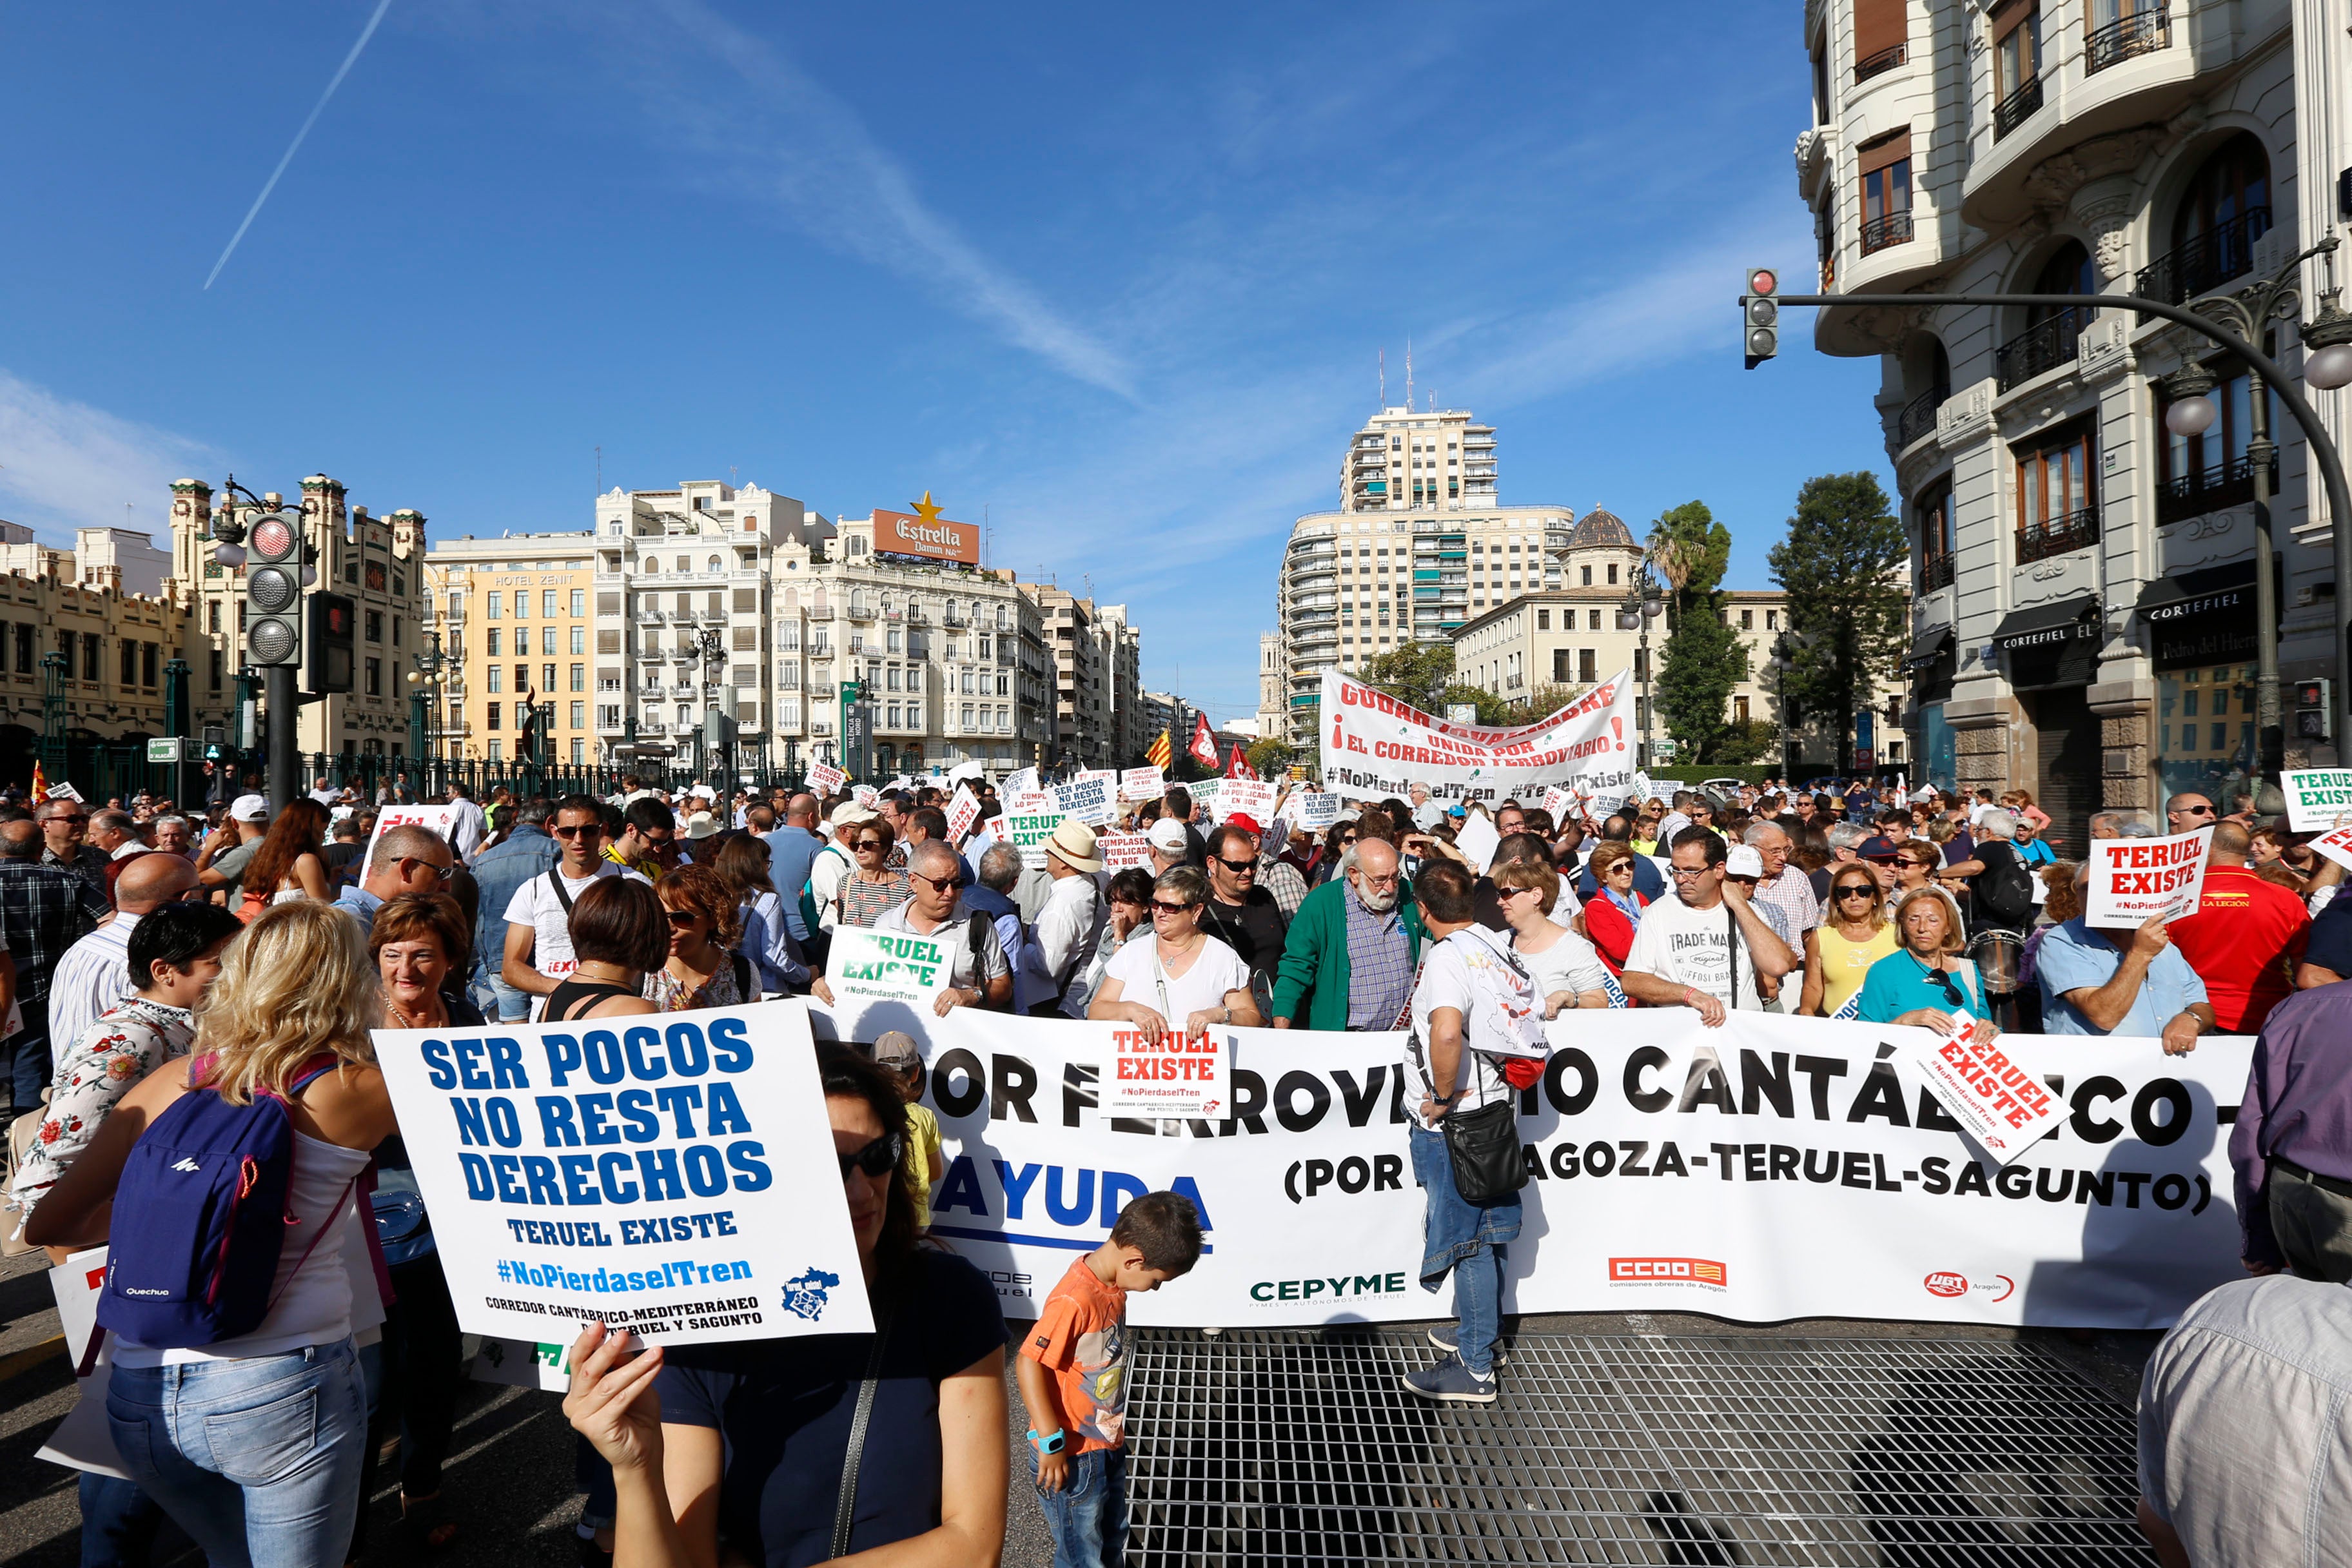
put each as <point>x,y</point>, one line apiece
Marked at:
<point>259,1459</point>
<point>505,1004</point>
<point>30,1064</point>
<point>119,1523</point>
<point>1467,1240</point>
<point>1087,1517</point>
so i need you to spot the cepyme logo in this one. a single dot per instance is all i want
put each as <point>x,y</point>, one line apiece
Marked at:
<point>186,1164</point>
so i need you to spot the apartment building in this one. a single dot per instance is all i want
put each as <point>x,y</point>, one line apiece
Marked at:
<point>378,563</point>
<point>2082,615</point>
<point>512,621</point>
<point>1096,661</point>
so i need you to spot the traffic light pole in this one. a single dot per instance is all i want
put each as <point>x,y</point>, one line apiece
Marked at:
<point>2315,438</point>
<point>280,684</point>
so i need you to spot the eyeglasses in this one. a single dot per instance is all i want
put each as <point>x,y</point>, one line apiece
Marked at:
<point>934,881</point>
<point>878,1158</point>
<point>440,873</point>
<point>866,844</point>
<point>584,830</point>
<point>1162,906</point>
<point>1855,890</point>
<point>681,918</point>
<point>1682,873</point>
<point>1237,868</point>
<point>1349,839</point>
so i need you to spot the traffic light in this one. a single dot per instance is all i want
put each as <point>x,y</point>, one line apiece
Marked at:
<point>329,669</point>
<point>1760,315</point>
<point>273,589</point>
<point>2312,709</point>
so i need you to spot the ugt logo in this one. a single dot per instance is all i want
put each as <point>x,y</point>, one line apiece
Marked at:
<point>804,1294</point>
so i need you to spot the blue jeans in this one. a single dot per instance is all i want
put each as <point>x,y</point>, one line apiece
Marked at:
<point>119,1523</point>
<point>259,1459</point>
<point>505,1005</point>
<point>30,1064</point>
<point>1466,1239</point>
<point>1087,1517</point>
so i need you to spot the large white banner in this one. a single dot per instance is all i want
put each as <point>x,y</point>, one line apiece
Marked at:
<point>1773,1168</point>
<point>1375,746</point>
<point>672,1173</point>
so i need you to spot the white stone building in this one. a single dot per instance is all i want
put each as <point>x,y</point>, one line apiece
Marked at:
<point>2083,610</point>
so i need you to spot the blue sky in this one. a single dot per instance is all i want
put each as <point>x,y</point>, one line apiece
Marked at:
<point>1115,281</point>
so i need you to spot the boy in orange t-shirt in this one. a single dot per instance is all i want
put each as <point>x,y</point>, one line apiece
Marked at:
<point>1072,1372</point>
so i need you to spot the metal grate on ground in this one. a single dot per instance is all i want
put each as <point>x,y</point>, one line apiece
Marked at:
<point>1301,1448</point>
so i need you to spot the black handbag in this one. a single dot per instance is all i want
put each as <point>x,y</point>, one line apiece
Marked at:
<point>1483,1146</point>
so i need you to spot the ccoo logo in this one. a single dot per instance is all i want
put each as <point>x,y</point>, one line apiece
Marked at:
<point>1667,1271</point>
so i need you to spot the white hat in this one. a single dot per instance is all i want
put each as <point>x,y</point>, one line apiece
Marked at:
<point>702,824</point>
<point>248,808</point>
<point>1073,844</point>
<point>1167,836</point>
<point>849,814</point>
<point>1745,860</point>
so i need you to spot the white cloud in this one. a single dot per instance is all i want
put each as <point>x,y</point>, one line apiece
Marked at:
<point>64,464</point>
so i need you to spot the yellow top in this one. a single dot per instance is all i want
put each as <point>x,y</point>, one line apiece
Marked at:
<point>925,1158</point>
<point>1844,963</point>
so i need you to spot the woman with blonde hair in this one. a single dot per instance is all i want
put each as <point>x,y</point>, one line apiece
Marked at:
<point>704,970</point>
<point>254,1445</point>
<point>288,864</point>
<point>1567,972</point>
<point>1853,935</point>
<point>1925,982</point>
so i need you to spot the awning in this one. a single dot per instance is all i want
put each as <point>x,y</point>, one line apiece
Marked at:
<point>1927,650</point>
<point>2214,590</point>
<point>2046,625</point>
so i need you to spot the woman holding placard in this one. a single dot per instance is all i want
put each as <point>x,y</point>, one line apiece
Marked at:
<point>1184,979</point>
<point>741,1452</point>
<point>1925,982</point>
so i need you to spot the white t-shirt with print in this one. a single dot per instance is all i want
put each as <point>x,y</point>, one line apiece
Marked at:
<point>1693,947</point>
<point>535,905</point>
<point>1445,982</point>
<point>1216,971</point>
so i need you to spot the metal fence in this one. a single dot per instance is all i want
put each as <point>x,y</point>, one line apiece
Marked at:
<point>1301,1448</point>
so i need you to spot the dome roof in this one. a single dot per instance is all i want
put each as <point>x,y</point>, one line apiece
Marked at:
<point>1600,529</point>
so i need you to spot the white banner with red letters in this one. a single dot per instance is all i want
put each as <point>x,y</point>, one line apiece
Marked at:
<point>2138,879</point>
<point>1375,746</point>
<point>1772,1168</point>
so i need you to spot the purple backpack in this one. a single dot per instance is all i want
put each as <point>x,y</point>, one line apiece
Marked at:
<point>200,1218</point>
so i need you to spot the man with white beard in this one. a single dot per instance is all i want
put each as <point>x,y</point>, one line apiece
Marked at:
<point>1349,958</point>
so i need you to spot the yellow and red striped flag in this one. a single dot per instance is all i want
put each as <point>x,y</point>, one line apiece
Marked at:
<point>40,783</point>
<point>1163,752</point>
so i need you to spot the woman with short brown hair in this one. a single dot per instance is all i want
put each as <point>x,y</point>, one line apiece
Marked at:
<point>620,934</point>
<point>702,968</point>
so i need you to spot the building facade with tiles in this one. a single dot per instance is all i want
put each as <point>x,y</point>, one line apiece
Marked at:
<point>2082,614</point>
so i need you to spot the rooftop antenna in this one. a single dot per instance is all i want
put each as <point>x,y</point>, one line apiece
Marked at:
<point>600,468</point>
<point>1408,375</point>
<point>1385,378</point>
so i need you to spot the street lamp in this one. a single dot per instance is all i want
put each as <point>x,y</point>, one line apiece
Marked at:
<point>2191,413</point>
<point>425,684</point>
<point>1645,602</point>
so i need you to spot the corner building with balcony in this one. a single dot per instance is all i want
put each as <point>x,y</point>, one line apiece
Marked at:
<point>2082,619</point>
<point>1418,547</point>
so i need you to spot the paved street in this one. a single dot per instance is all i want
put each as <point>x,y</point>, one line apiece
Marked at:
<point>1620,1438</point>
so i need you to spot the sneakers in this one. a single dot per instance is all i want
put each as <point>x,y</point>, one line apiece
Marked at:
<point>1447,1337</point>
<point>1450,1383</point>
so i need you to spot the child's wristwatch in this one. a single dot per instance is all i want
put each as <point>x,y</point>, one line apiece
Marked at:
<point>1049,1445</point>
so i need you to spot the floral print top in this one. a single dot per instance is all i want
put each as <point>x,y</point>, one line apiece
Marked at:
<point>114,1053</point>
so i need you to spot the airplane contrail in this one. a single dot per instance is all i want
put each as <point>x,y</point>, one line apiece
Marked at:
<point>341,71</point>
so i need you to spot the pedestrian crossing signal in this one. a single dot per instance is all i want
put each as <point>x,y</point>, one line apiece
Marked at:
<point>1760,315</point>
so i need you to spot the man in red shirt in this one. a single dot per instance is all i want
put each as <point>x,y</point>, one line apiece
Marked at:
<point>2245,938</point>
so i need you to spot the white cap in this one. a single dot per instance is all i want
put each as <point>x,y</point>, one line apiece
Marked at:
<point>248,808</point>
<point>1744,860</point>
<point>1167,836</point>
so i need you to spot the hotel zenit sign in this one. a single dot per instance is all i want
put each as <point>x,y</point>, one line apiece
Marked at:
<point>926,533</point>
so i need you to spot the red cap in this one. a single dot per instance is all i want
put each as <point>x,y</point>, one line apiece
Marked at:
<point>1245,822</point>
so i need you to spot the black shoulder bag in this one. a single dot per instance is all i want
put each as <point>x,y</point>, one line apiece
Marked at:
<point>845,1511</point>
<point>1483,1145</point>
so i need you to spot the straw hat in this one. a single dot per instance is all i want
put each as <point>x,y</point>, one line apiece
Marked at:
<point>1073,844</point>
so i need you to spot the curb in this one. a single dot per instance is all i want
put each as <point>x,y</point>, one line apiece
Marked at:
<point>18,1363</point>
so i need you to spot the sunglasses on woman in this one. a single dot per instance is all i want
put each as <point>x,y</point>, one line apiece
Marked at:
<point>1163,906</point>
<point>878,1158</point>
<point>681,918</point>
<point>866,844</point>
<point>1856,890</point>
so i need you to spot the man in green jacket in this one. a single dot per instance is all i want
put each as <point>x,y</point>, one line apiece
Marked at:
<point>1353,948</point>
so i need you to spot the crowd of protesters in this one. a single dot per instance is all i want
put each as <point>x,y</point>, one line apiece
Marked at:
<point>150,954</point>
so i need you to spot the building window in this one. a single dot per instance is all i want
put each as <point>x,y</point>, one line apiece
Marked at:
<point>2198,474</point>
<point>130,664</point>
<point>374,686</point>
<point>1543,620</point>
<point>579,600</point>
<point>1613,576</point>
<point>1883,168</point>
<point>89,658</point>
<point>147,656</point>
<point>1591,620</point>
<point>580,639</point>
<point>2225,209</point>
<point>1934,511</point>
<point>608,715</point>
<point>214,617</point>
<point>1740,711</point>
<point>1585,661</point>
<point>494,636</point>
<point>375,626</point>
<point>2016,65</point>
<point>497,751</point>
<point>491,721</point>
<point>2056,512</point>
<point>214,671</point>
<point>495,678</point>
<point>1747,620</point>
<point>579,752</point>
<point>494,610</point>
<point>579,677</point>
<point>1771,620</point>
<point>579,715</point>
<point>547,604</point>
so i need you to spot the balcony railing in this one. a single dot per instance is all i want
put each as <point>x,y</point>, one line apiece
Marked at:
<point>1918,416</point>
<point>1884,60</point>
<point>2040,540</point>
<point>2018,108</point>
<point>2142,34</point>
<point>2209,490</point>
<point>2208,261</point>
<point>1936,573</point>
<point>2045,346</point>
<point>1887,228</point>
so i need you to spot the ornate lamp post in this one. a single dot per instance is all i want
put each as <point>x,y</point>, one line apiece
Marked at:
<point>1645,602</point>
<point>2191,413</point>
<point>424,683</point>
<point>55,668</point>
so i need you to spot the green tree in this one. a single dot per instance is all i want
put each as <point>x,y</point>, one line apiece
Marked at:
<point>1842,568</point>
<point>1415,672</point>
<point>1703,659</point>
<point>1270,757</point>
